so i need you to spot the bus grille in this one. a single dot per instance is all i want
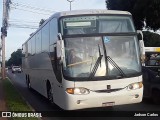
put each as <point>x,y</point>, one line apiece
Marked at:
<point>107,90</point>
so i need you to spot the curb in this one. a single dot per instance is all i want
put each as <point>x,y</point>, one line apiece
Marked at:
<point>33,110</point>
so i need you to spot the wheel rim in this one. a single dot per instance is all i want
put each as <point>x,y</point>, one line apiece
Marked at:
<point>29,85</point>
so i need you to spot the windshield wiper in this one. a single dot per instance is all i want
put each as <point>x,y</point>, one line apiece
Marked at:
<point>98,62</point>
<point>109,59</point>
<point>116,66</point>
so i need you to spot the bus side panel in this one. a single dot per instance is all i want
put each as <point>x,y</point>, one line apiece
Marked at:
<point>59,93</point>
<point>39,69</point>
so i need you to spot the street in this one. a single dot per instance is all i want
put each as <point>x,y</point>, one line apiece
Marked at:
<point>39,103</point>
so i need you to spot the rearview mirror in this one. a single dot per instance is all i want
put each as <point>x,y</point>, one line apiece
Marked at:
<point>142,47</point>
<point>59,36</point>
<point>60,49</point>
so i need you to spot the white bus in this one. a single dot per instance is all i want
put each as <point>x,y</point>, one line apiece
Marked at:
<point>85,59</point>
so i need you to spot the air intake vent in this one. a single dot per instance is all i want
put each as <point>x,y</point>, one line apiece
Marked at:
<point>108,91</point>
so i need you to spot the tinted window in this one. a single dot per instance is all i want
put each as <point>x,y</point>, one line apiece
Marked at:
<point>33,45</point>
<point>53,30</point>
<point>45,38</point>
<point>25,50</point>
<point>38,42</point>
<point>29,47</point>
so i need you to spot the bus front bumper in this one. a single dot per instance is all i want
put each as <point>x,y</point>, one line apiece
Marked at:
<point>93,99</point>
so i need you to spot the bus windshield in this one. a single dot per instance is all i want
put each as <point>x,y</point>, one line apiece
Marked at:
<point>81,54</point>
<point>87,55</point>
<point>96,24</point>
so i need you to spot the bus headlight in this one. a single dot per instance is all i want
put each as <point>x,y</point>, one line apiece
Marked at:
<point>78,91</point>
<point>134,86</point>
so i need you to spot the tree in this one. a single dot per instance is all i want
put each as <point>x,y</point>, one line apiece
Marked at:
<point>151,39</point>
<point>16,58</point>
<point>142,10</point>
<point>41,22</point>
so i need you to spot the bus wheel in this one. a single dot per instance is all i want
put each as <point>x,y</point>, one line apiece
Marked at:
<point>156,97</point>
<point>50,94</point>
<point>28,83</point>
<point>26,79</point>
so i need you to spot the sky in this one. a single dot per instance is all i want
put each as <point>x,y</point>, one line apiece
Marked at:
<point>30,12</point>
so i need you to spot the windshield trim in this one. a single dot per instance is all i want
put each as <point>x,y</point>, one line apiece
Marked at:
<point>101,77</point>
<point>100,35</point>
<point>101,14</point>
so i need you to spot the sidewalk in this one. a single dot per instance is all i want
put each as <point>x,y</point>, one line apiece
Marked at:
<point>2,100</point>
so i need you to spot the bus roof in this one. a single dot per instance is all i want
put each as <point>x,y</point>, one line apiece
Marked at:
<point>91,11</point>
<point>152,49</point>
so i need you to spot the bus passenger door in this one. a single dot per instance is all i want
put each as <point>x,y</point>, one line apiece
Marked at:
<point>57,85</point>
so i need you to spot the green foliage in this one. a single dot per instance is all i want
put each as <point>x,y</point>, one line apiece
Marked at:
<point>142,10</point>
<point>151,39</point>
<point>14,100</point>
<point>41,22</point>
<point>16,58</point>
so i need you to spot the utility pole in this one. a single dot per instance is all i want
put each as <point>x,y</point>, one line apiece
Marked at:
<point>3,35</point>
<point>70,1</point>
<point>3,57</point>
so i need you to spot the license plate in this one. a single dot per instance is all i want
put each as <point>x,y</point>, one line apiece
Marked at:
<point>107,104</point>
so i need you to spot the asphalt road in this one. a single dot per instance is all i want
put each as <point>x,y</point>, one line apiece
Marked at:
<point>39,103</point>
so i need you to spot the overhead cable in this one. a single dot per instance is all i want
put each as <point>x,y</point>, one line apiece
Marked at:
<point>31,7</point>
<point>30,11</point>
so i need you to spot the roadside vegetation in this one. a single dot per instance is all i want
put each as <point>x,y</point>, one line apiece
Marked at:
<point>15,59</point>
<point>14,101</point>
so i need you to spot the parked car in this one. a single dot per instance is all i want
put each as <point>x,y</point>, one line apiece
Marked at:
<point>16,69</point>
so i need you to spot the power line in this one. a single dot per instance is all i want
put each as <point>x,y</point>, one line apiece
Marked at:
<point>26,20</point>
<point>18,21</point>
<point>31,7</point>
<point>23,26</point>
<point>30,11</point>
<point>28,8</point>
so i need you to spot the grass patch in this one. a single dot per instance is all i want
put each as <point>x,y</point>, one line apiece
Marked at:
<point>14,100</point>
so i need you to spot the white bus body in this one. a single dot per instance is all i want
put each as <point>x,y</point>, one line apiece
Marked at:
<point>107,68</point>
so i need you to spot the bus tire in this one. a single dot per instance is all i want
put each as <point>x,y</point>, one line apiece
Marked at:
<point>26,79</point>
<point>49,93</point>
<point>28,83</point>
<point>156,96</point>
